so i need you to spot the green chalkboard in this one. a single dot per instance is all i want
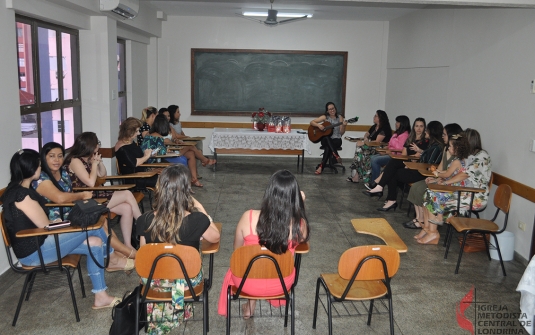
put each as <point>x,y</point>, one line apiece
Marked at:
<point>238,82</point>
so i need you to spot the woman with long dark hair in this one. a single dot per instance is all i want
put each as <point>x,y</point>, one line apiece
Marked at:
<point>84,165</point>
<point>396,144</point>
<point>434,202</point>
<point>280,225</point>
<point>24,209</point>
<point>380,131</point>
<point>55,185</point>
<point>177,218</point>
<point>418,188</point>
<point>330,143</point>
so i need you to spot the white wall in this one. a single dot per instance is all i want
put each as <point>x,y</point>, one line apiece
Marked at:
<point>473,67</point>
<point>365,41</point>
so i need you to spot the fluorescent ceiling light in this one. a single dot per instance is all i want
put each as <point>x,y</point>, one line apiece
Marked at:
<point>279,14</point>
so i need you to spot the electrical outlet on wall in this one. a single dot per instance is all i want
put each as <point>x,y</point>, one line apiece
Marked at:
<point>521,226</point>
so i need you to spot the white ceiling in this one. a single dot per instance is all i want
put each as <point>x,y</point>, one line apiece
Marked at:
<point>371,10</point>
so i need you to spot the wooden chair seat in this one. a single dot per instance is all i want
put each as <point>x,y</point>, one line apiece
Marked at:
<point>138,196</point>
<point>166,296</point>
<point>69,260</point>
<point>462,224</point>
<point>360,290</point>
<point>234,289</point>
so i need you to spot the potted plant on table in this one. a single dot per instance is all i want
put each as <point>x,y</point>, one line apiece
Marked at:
<point>260,119</point>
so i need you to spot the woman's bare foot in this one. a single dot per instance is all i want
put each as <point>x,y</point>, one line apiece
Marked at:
<point>209,162</point>
<point>103,300</point>
<point>421,234</point>
<point>248,309</point>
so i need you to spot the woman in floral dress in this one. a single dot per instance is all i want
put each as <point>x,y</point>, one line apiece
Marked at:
<point>177,219</point>
<point>434,201</point>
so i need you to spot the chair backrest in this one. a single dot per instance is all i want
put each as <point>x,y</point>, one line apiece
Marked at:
<point>371,269</point>
<point>118,166</point>
<point>261,268</point>
<point>167,267</point>
<point>5,236</point>
<point>502,198</point>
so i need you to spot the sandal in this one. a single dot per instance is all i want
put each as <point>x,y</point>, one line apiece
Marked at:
<point>129,266</point>
<point>421,234</point>
<point>209,162</point>
<point>319,169</point>
<point>112,304</point>
<point>349,179</point>
<point>196,183</point>
<point>412,224</point>
<point>430,238</point>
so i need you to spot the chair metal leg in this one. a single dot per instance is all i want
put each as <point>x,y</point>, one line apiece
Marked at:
<point>228,310</point>
<point>205,319</point>
<point>137,314</point>
<point>391,313</point>
<point>370,311</point>
<point>499,253</point>
<point>21,299</point>
<point>465,235</point>
<point>286,313</point>
<point>316,303</point>
<point>449,237</point>
<point>81,279</point>
<point>329,313</point>
<point>69,278</point>
<point>30,286</point>
<point>292,301</point>
<point>448,231</point>
<point>486,245</point>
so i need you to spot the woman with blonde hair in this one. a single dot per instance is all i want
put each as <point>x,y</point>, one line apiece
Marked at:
<point>147,118</point>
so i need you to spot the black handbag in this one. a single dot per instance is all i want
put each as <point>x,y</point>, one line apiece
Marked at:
<point>86,213</point>
<point>124,315</point>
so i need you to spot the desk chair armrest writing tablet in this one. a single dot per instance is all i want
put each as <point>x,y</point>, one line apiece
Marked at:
<point>209,248</point>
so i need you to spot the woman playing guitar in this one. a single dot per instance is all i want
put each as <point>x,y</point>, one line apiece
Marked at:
<point>334,141</point>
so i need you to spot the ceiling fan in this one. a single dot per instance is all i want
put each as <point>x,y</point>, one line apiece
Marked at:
<point>271,20</point>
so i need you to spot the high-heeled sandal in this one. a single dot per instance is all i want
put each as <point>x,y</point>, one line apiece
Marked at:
<point>318,168</point>
<point>196,183</point>
<point>430,238</point>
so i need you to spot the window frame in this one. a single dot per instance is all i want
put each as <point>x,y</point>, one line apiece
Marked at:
<point>61,104</point>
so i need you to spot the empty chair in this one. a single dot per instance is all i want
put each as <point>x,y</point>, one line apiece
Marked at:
<point>502,202</point>
<point>364,273</point>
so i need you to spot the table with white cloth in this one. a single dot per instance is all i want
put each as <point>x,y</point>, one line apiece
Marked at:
<point>253,142</point>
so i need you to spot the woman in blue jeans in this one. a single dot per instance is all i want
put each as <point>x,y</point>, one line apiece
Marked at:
<point>24,209</point>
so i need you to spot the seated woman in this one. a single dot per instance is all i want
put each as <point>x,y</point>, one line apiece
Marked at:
<point>84,165</point>
<point>280,225</point>
<point>24,209</point>
<point>395,171</point>
<point>172,113</point>
<point>156,140</point>
<point>54,184</point>
<point>434,202</point>
<point>396,143</point>
<point>177,218</point>
<point>129,155</point>
<point>381,131</point>
<point>330,143</point>
<point>147,118</point>
<point>418,189</point>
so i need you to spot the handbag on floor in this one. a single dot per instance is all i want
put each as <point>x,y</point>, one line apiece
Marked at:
<point>124,315</point>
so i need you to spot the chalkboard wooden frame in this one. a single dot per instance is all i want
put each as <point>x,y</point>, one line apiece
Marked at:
<point>333,66</point>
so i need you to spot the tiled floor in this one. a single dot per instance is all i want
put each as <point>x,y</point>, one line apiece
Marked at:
<point>426,290</point>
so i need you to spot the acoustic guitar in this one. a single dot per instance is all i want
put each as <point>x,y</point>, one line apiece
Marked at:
<point>315,134</point>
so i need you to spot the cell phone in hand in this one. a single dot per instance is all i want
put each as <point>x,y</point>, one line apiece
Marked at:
<point>57,225</point>
<point>154,152</point>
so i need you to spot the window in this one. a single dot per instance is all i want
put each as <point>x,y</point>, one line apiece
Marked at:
<point>121,89</point>
<point>49,83</point>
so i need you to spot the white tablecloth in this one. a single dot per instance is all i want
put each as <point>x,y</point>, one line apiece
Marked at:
<point>240,138</point>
